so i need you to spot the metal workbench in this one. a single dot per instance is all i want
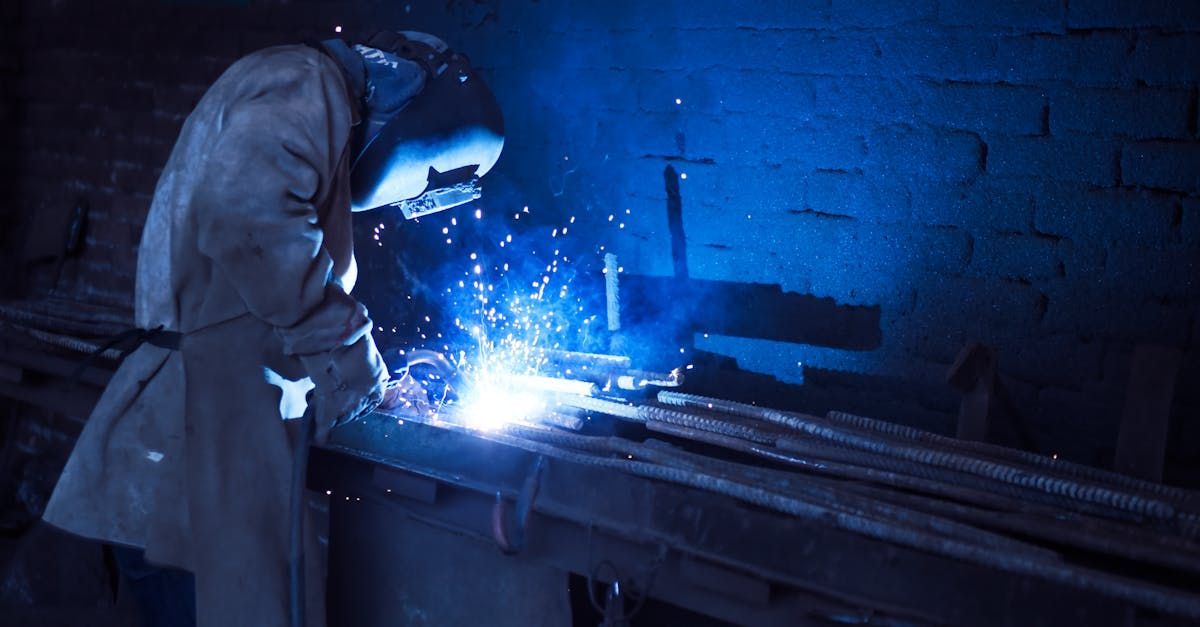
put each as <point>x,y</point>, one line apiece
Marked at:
<point>433,523</point>
<point>684,545</point>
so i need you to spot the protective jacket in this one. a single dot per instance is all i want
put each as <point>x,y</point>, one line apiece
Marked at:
<point>247,252</point>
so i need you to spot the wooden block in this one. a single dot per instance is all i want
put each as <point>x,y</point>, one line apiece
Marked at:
<point>974,373</point>
<point>1142,443</point>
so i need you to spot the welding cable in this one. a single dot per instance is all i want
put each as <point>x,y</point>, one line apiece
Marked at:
<point>297,594</point>
<point>1062,468</point>
<point>826,495</point>
<point>1101,535</point>
<point>1005,472</point>
<point>1168,600</point>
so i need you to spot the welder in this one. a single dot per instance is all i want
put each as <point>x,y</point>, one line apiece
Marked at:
<point>243,280</point>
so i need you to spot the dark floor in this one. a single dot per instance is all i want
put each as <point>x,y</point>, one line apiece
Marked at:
<point>51,579</point>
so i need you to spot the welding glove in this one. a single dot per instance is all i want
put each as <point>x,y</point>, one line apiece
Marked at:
<point>405,393</point>
<point>349,380</point>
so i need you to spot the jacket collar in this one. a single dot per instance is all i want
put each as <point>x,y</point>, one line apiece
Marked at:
<point>354,72</point>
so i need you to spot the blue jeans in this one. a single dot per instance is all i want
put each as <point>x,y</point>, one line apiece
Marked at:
<point>166,596</point>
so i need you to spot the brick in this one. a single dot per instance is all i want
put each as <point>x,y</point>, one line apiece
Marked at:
<point>845,53</point>
<point>1004,108</point>
<point>1018,257</point>
<point>1167,14</point>
<point>1172,273</point>
<point>728,186</point>
<point>1075,158</point>
<point>1089,58</point>
<point>923,154</point>
<point>662,49</point>
<point>779,94</point>
<point>880,13</point>
<point>647,133</point>
<point>755,140</point>
<point>852,194</point>
<point>950,310</point>
<point>1025,15</point>
<point>1142,113</point>
<point>944,56</point>
<point>1127,314</point>
<point>1166,59</point>
<point>1062,360</point>
<point>174,99</point>
<point>860,263</point>
<point>1189,224</point>
<point>1104,216</point>
<point>709,14</point>
<point>769,14</point>
<point>700,92</point>
<point>1162,165</point>
<point>979,207</point>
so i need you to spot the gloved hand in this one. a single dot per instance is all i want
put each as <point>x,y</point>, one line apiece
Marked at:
<point>348,384</point>
<point>405,393</point>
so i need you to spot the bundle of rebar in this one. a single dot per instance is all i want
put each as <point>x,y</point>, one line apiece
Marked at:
<point>1011,510</point>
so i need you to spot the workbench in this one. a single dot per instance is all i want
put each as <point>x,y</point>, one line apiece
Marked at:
<point>432,523</point>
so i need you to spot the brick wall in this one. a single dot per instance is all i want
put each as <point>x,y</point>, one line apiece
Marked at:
<point>9,150</point>
<point>1021,173</point>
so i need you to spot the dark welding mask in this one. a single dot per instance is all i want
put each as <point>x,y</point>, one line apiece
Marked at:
<point>428,154</point>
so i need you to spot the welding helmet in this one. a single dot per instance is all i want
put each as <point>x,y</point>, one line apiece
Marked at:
<point>429,153</point>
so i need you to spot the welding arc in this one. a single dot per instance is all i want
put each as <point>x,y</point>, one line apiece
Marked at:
<point>1164,599</point>
<point>1006,472</point>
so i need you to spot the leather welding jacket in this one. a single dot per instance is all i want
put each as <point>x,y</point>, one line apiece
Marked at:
<point>247,252</point>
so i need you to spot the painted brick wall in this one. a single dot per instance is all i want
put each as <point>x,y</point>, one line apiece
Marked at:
<point>1022,173</point>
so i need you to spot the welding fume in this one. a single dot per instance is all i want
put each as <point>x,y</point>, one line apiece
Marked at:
<point>249,341</point>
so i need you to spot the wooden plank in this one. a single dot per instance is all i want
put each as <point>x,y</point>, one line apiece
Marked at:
<point>1142,442</point>
<point>974,374</point>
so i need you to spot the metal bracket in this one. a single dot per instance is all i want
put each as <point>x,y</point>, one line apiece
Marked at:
<point>509,526</point>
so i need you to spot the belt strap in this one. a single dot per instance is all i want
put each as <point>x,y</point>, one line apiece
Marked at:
<point>129,341</point>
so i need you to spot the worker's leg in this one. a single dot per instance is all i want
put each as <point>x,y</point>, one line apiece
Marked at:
<point>166,596</point>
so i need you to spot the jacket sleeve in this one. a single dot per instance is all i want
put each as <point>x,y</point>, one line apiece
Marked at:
<point>258,224</point>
